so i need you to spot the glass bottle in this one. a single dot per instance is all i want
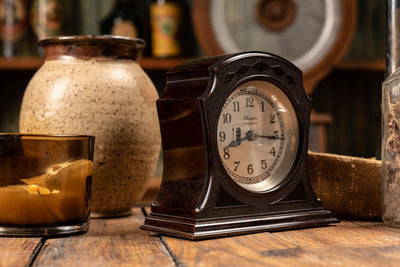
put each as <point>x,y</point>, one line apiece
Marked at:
<point>166,28</point>
<point>46,19</point>
<point>128,18</point>
<point>391,119</point>
<point>122,20</point>
<point>13,27</point>
<point>391,149</point>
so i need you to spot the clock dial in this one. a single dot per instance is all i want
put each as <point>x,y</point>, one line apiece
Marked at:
<point>257,135</point>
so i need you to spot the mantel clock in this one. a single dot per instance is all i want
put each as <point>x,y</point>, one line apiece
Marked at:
<point>235,140</point>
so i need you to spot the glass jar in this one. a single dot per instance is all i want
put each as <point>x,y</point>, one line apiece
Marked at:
<point>391,149</point>
<point>45,183</point>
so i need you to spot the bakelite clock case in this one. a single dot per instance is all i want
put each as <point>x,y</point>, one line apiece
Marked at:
<point>197,199</point>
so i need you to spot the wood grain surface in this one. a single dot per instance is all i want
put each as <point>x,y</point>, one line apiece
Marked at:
<point>109,242</point>
<point>345,244</point>
<point>245,250</point>
<point>18,251</point>
<point>120,242</point>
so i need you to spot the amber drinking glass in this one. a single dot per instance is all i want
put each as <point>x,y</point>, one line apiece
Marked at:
<point>45,184</point>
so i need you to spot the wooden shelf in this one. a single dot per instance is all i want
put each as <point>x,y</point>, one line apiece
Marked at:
<point>148,63</point>
<point>368,65</point>
<point>33,63</point>
<point>22,63</point>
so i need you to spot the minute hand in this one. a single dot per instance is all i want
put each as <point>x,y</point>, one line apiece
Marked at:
<point>274,137</point>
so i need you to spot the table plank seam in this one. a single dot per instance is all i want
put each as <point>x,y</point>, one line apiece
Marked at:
<point>171,253</point>
<point>36,252</point>
<point>144,211</point>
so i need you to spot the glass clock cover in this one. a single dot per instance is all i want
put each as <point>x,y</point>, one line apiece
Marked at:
<point>257,135</point>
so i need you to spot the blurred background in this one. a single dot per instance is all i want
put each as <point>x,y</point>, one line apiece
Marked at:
<point>346,90</point>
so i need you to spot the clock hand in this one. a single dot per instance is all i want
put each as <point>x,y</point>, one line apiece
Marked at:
<point>250,136</point>
<point>236,143</point>
<point>274,137</point>
<point>233,144</point>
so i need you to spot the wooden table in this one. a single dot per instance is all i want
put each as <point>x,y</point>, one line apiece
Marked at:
<point>120,242</point>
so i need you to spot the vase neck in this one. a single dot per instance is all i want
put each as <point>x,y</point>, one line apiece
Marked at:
<point>88,47</point>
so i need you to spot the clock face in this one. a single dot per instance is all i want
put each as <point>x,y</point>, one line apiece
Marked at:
<point>257,135</point>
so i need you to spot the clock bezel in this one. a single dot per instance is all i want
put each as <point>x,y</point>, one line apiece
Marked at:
<point>281,181</point>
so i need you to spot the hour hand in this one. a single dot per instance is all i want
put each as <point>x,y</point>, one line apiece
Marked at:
<point>233,144</point>
<point>249,136</point>
<point>237,142</point>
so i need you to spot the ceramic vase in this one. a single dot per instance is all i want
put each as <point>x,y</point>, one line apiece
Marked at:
<point>94,85</point>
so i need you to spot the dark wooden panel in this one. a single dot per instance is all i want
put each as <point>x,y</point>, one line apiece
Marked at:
<point>353,99</point>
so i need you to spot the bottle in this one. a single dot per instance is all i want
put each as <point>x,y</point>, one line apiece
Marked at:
<point>128,18</point>
<point>165,19</point>
<point>13,27</point>
<point>391,119</point>
<point>46,19</point>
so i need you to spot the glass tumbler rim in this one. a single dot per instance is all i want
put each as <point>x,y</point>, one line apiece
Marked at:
<point>44,136</point>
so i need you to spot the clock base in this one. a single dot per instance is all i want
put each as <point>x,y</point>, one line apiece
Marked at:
<point>227,226</point>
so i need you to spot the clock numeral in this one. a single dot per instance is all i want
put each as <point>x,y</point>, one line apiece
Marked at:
<point>273,152</point>
<point>264,164</point>
<point>237,163</point>
<point>249,102</point>
<point>236,106</point>
<point>226,154</point>
<point>271,118</point>
<point>226,118</point>
<point>262,107</point>
<point>222,136</point>
<point>276,134</point>
<point>250,169</point>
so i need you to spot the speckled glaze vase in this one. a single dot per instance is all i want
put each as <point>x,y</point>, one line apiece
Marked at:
<point>93,85</point>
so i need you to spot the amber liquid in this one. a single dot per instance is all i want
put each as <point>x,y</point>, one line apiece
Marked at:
<point>60,196</point>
